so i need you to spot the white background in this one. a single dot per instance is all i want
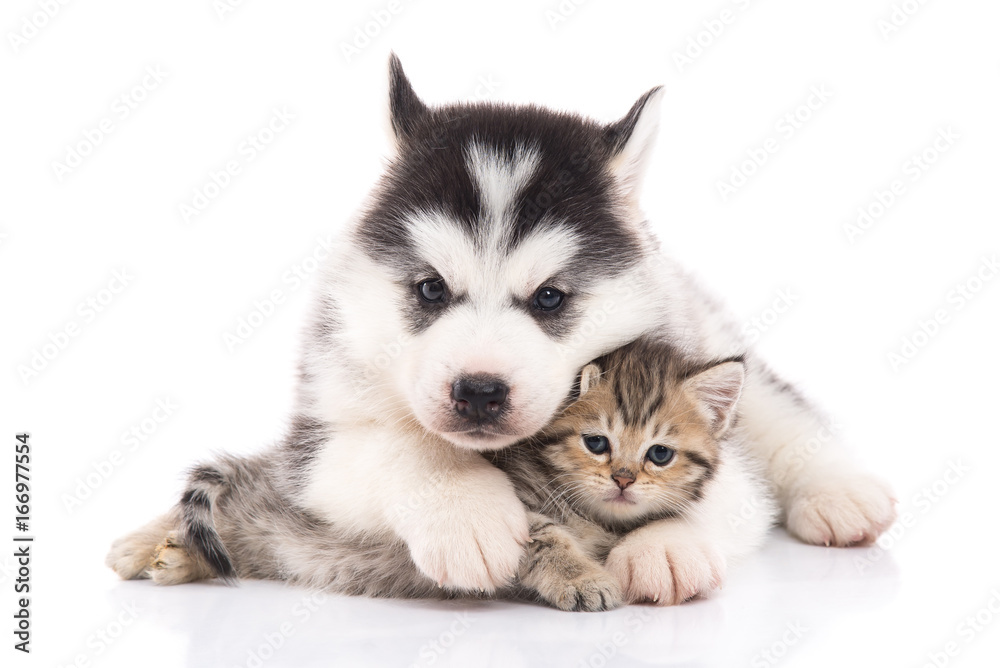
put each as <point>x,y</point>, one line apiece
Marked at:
<point>782,232</point>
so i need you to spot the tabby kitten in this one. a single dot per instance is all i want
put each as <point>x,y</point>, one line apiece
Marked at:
<point>650,445</point>
<point>647,447</point>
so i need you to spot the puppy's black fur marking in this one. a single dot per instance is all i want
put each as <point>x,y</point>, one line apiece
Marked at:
<point>617,134</point>
<point>303,442</point>
<point>205,484</point>
<point>572,185</point>
<point>404,105</point>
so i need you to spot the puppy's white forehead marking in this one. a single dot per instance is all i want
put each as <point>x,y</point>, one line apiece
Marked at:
<point>542,255</point>
<point>499,179</point>
<point>481,269</point>
<point>444,244</point>
<point>485,264</point>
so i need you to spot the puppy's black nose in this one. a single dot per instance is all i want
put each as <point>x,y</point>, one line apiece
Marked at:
<point>479,397</point>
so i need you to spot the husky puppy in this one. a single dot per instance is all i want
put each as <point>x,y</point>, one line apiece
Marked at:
<point>651,438</point>
<point>502,250</point>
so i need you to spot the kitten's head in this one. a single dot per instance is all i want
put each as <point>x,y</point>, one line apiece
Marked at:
<point>643,437</point>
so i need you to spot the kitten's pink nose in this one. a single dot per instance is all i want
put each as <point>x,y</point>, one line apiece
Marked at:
<point>623,478</point>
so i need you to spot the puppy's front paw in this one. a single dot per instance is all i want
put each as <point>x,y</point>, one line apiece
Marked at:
<point>665,569</point>
<point>472,542</point>
<point>841,511</point>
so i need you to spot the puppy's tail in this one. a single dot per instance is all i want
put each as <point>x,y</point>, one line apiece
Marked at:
<point>206,483</point>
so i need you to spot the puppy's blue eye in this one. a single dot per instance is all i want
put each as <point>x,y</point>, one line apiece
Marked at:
<point>596,444</point>
<point>548,299</point>
<point>660,455</point>
<point>432,292</point>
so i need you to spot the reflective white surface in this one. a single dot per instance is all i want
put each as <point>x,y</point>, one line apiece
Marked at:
<point>791,604</point>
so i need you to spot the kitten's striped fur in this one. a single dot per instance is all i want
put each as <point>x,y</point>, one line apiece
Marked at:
<point>638,397</point>
<point>231,521</point>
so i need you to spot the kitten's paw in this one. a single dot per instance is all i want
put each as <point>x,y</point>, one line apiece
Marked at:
<point>474,542</point>
<point>172,565</point>
<point>591,592</point>
<point>841,511</point>
<point>666,570</point>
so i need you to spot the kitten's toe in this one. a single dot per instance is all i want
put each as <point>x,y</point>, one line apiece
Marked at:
<point>666,574</point>
<point>589,593</point>
<point>841,512</point>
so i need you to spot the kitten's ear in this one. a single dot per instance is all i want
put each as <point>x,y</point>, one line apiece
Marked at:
<point>406,110</point>
<point>631,140</point>
<point>716,390</point>
<point>589,377</point>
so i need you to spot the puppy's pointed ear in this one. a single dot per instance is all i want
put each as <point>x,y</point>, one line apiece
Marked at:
<point>631,140</point>
<point>589,377</point>
<point>406,110</point>
<point>716,391</point>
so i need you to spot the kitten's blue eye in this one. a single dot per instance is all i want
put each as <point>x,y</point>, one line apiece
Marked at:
<point>596,444</point>
<point>660,455</point>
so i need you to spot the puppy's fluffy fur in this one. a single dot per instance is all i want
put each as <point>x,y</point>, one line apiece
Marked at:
<point>494,204</point>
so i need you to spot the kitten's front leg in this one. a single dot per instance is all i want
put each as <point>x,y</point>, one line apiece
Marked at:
<point>459,516</point>
<point>666,562</point>
<point>559,571</point>
<point>672,560</point>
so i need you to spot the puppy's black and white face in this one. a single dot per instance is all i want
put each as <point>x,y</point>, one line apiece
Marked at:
<point>501,239</point>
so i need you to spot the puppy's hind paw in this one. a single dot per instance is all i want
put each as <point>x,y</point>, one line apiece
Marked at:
<point>129,561</point>
<point>172,565</point>
<point>130,556</point>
